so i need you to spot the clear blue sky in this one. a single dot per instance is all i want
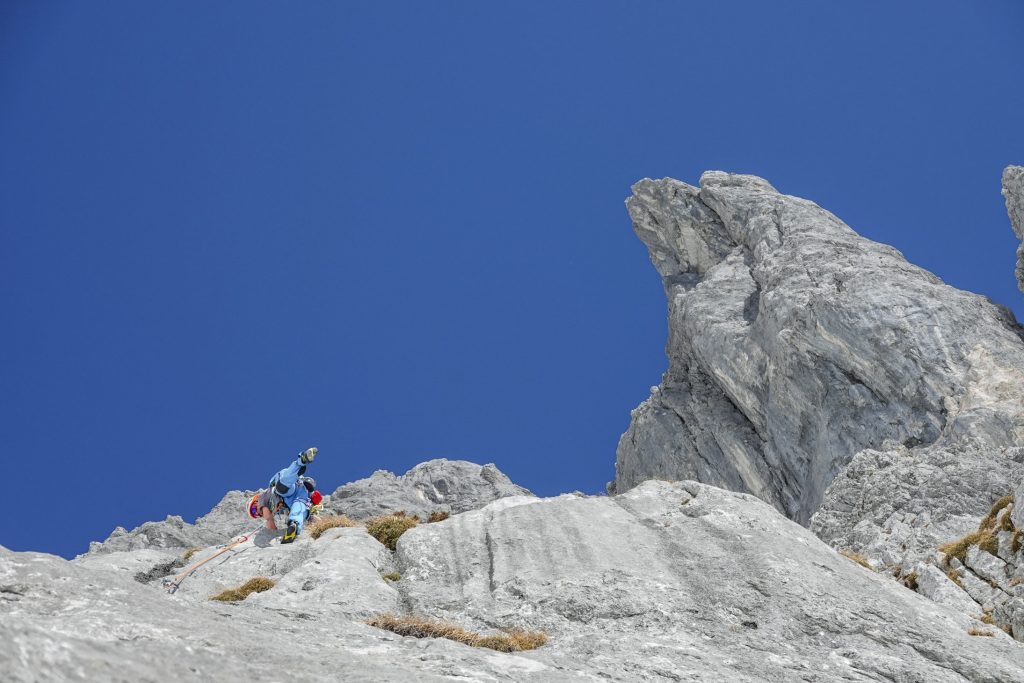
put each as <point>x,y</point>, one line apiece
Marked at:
<point>395,230</point>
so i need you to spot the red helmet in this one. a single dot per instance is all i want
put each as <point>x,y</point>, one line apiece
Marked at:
<point>316,498</point>
<point>252,506</point>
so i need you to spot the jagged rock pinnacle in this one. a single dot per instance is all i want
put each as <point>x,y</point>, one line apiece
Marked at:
<point>1013,191</point>
<point>794,343</point>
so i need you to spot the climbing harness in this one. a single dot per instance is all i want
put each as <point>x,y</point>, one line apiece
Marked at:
<point>172,584</point>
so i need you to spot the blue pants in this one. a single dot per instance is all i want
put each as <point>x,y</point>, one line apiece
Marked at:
<point>294,496</point>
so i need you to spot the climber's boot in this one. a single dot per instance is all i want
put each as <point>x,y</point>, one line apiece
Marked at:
<point>290,532</point>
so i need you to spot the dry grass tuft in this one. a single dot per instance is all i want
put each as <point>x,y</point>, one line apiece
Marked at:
<point>910,580</point>
<point>1016,581</point>
<point>1017,541</point>
<point>954,576</point>
<point>985,537</point>
<point>189,553</point>
<point>989,520</point>
<point>1007,524</point>
<point>981,632</point>
<point>515,640</point>
<point>321,524</point>
<point>856,557</point>
<point>392,576</point>
<point>438,516</point>
<point>389,528</point>
<point>254,585</point>
<point>511,640</point>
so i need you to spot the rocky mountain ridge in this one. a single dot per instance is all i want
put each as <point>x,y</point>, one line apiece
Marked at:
<point>871,410</point>
<point>435,485</point>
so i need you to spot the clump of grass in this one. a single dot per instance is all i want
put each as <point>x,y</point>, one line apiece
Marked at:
<point>980,632</point>
<point>514,640</point>
<point>254,585</point>
<point>986,618</point>
<point>438,516</point>
<point>989,520</point>
<point>389,528</point>
<point>1007,523</point>
<point>510,640</point>
<point>856,557</point>
<point>189,553</point>
<point>910,580</point>
<point>954,576</point>
<point>1017,541</point>
<point>392,576</point>
<point>1016,581</point>
<point>985,537</point>
<point>321,524</point>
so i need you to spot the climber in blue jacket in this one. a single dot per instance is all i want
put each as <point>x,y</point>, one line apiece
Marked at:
<point>291,488</point>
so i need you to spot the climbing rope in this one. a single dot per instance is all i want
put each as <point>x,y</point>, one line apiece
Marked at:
<point>172,584</point>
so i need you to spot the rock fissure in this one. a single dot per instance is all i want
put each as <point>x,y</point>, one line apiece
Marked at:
<point>489,544</point>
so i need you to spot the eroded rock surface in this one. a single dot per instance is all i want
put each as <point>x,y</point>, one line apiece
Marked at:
<point>452,486</point>
<point>1013,191</point>
<point>704,571</point>
<point>794,343</point>
<point>670,581</point>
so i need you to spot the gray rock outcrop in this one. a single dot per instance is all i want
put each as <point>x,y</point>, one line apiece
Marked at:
<point>676,581</point>
<point>824,373</point>
<point>794,344</point>
<point>451,486</point>
<point>1013,192</point>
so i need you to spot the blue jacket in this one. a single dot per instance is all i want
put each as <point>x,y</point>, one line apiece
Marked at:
<point>288,486</point>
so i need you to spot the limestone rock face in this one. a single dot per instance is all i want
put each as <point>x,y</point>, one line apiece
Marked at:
<point>795,344</point>
<point>1013,191</point>
<point>670,581</point>
<point>452,486</point>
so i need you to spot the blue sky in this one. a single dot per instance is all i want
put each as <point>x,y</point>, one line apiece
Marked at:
<point>395,230</point>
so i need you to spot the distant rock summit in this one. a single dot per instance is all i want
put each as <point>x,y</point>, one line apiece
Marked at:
<point>451,486</point>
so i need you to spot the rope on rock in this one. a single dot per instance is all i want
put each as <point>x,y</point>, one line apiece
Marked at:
<point>172,584</point>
